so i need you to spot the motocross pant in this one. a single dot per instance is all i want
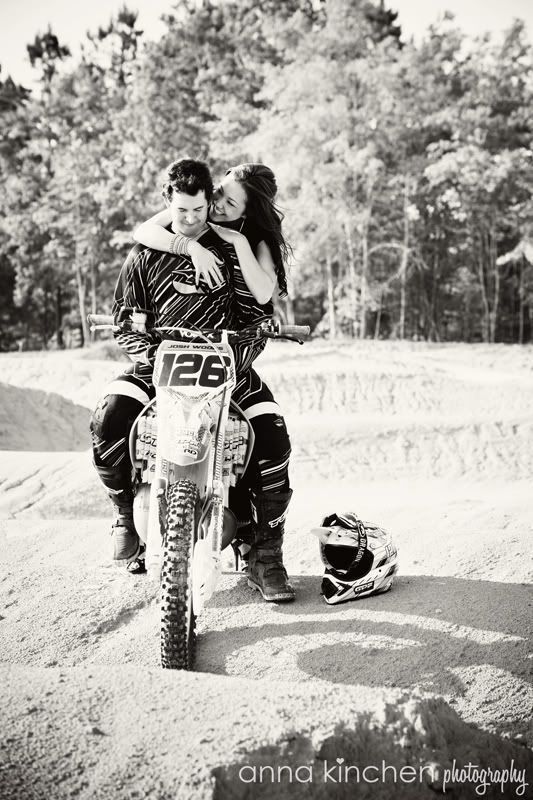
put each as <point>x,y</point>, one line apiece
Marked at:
<point>111,423</point>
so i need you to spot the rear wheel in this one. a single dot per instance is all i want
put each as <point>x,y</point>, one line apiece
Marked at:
<point>178,635</point>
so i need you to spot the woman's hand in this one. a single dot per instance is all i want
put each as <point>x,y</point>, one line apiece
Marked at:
<point>206,265</point>
<point>228,234</point>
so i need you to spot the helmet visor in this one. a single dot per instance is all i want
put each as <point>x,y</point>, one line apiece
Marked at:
<point>343,560</point>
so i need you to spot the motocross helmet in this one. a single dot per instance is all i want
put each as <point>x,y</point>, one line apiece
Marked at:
<point>359,557</point>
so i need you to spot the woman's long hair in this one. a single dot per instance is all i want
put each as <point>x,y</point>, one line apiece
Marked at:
<point>259,183</point>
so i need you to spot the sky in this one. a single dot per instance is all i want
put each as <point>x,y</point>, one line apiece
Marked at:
<point>21,20</point>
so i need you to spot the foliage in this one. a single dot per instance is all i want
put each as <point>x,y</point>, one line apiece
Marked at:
<point>405,170</point>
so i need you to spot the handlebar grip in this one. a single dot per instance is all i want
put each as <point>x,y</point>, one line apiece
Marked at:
<point>301,331</point>
<point>100,319</point>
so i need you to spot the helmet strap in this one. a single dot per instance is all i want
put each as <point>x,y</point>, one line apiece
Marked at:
<point>361,545</point>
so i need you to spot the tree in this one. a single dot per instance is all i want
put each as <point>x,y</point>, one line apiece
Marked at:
<point>46,53</point>
<point>66,191</point>
<point>483,176</point>
<point>327,154</point>
<point>16,133</point>
<point>405,170</point>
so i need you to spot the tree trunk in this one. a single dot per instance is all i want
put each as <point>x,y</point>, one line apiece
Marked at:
<point>403,295</point>
<point>485,324</point>
<point>353,276</point>
<point>331,296</point>
<point>59,319</point>
<point>283,309</point>
<point>405,257</point>
<point>521,301</point>
<point>378,316</point>
<point>289,310</point>
<point>364,253</point>
<point>80,283</point>
<point>364,277</point>
<point>279,310</point>
<point>45,328</point>
<point>94,282</point>
<point>496,281</point>
<point>433,302</point>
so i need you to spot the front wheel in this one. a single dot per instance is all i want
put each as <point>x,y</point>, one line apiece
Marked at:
<point>178,622</point>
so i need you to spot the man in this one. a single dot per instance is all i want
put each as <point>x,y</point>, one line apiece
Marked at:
<point>164,284</point>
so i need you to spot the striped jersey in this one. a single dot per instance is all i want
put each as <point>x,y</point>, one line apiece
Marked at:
<point>164,284</point>
<point>248,307</point>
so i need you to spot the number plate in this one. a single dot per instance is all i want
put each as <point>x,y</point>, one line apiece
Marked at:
<point>184,365</point>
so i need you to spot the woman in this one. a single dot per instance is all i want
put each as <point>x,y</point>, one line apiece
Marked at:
<point>244,214</point>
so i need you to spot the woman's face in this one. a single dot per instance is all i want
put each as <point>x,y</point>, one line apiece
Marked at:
<point>229,200</point>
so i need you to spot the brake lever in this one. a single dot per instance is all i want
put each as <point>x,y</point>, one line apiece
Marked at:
<point>287,337</point>
<point>292,339</point>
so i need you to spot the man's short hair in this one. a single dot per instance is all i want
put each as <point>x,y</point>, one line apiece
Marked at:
<point>188,176</point>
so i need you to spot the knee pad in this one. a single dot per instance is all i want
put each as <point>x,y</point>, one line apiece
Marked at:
<point>269,466</point>
<point>272,440</point>
<point>114,415</point>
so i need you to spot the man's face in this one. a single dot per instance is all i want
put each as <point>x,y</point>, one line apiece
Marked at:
<point>189,212</point>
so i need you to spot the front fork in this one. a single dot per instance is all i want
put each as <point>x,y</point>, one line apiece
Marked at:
<point>213,477</point>
<point>157,517</point>
<point>210,521</point>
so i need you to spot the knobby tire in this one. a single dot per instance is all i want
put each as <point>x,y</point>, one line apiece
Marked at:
<point>178,623</point>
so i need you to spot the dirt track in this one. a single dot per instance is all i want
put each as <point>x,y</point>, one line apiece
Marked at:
<point>432,442</point>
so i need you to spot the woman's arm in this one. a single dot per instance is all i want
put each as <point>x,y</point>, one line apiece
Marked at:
<point>259,273</point>
<point>152,233</point>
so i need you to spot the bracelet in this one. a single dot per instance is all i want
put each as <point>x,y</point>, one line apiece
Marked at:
<point>179,246</point>
<point>174,244</point>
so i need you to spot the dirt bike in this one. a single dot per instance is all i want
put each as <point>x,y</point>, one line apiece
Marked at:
<point>187,447</point>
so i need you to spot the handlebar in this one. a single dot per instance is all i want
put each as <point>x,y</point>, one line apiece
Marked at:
<point>268,330</point>
<point>100,319</point>
<point>300,331</point>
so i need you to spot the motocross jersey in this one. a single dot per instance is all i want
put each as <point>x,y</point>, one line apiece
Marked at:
<point>164,284</point>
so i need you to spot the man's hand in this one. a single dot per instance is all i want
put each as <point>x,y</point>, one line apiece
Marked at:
<point>206,265</point>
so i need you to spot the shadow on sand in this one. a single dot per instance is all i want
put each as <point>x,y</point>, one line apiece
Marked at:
<point>414,636</point>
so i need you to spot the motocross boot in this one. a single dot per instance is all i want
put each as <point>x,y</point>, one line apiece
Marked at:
<point>126,543</point>
<point>266,572</point>
<point>240,507</point>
